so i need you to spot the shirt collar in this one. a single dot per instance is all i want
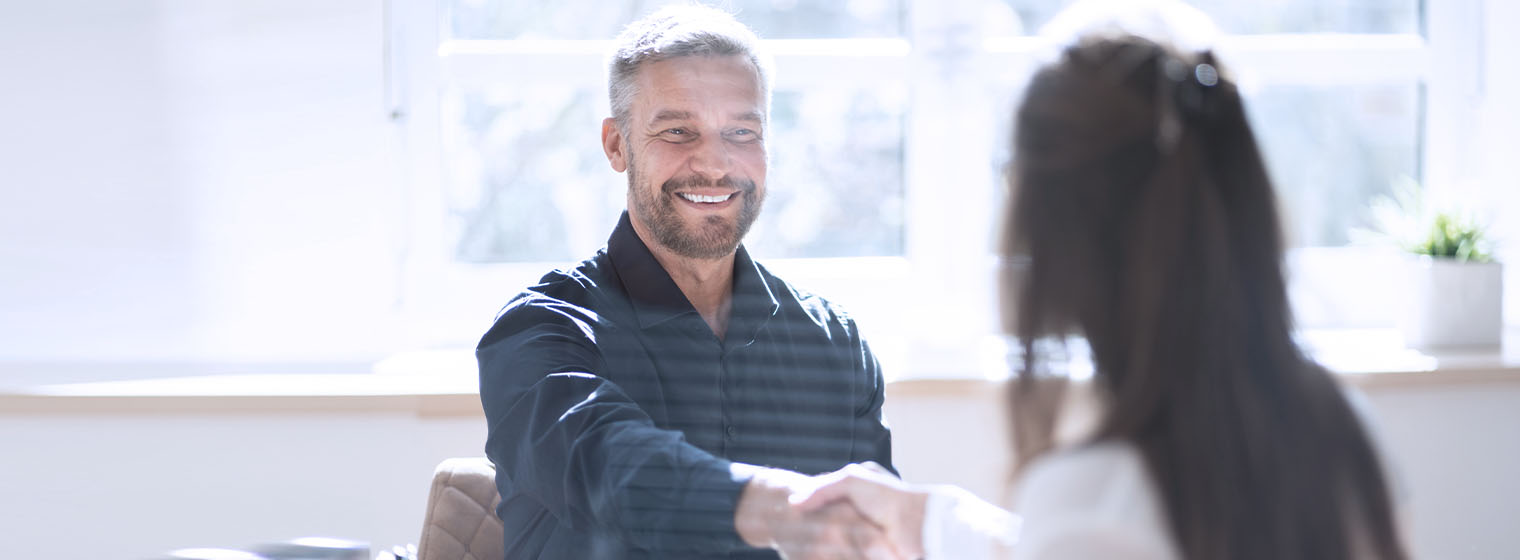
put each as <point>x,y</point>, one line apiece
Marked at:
<point>657,299</point>
<point>754,301</point>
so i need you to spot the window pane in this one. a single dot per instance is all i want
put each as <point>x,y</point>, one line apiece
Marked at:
<point>597,19</point>
<point>1025,17</point>
<point>1331,150</point>
<point>527,180</point>
<point>836,177</point>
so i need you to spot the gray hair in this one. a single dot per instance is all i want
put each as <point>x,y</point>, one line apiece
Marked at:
<point>677,31</point>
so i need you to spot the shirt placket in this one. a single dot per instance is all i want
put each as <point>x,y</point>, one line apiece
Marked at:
<point>731,427</point>
<point>728,428</point>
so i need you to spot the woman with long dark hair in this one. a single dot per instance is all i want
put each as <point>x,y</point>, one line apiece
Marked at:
<point>1142,220</point>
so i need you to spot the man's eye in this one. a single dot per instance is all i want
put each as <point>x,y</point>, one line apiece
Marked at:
<point>679,135</point>
<point>745,134</point>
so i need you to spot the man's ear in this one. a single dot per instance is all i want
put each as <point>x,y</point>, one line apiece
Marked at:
<point>614,145</point>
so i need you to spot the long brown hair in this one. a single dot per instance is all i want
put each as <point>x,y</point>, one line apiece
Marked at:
<point>1146,223</point>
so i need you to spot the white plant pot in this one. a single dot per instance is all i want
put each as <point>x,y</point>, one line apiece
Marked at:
<point>1453,304</point>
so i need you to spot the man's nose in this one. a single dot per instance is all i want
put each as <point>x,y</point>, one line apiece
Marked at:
<point>711,160</point>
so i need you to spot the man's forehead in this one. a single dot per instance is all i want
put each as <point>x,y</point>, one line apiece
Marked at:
<point>672,114</point>
<point>697,88</point>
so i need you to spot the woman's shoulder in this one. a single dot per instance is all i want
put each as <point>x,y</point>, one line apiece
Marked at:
<point>1083,476</point>
<point>1091,500</point>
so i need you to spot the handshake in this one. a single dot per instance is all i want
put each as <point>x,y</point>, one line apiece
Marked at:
<point>861,511</point>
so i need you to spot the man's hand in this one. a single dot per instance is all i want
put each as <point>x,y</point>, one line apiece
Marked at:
<point>834,531</point>
<point>766,518</point>
<point>891,504</point>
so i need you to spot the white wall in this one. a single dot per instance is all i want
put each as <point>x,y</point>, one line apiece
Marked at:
<point>179,179</point>
<point>1457,450</point>
<point>92,487</point>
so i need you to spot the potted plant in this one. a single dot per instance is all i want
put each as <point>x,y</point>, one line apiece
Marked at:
<point>1455,286</point>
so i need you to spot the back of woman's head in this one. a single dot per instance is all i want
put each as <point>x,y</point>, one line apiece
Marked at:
<point>1143,211</point>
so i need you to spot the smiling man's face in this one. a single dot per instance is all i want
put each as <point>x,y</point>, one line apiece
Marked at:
<point>695,154</point>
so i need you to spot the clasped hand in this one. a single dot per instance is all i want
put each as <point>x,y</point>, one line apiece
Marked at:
<point>859,512</point>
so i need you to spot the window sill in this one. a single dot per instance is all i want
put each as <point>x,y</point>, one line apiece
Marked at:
<point>442,384</point>
<point>1378,358</point>
<point>446,394</point>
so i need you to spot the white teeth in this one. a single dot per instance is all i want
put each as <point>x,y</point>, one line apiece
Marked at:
<point>701,198</point>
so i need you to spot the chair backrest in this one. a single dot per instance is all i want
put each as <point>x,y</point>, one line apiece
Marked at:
<point>461,522</point>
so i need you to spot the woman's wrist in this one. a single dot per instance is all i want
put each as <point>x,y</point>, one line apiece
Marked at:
<point>913,514</point>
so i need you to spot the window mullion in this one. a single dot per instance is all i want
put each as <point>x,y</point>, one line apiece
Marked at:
<point>1453,92</point>
<point>952,127</point>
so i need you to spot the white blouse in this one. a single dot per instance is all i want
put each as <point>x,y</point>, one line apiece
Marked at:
<point>1083,502</point>
<point>1093,501</point>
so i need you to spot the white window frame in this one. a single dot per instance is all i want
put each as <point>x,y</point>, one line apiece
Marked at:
<point>915,308</point>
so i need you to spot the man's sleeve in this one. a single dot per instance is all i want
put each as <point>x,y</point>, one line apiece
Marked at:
<point>576,443</point>
<point>872,439</point>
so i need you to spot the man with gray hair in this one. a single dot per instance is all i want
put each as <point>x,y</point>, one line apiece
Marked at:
<point>667,396</point>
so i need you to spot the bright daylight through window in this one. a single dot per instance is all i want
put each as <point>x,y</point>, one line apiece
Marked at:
<point>526,181</point>
<point>888,132</point>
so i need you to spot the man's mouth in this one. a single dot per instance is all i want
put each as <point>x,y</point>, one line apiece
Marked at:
<point>707,199</point>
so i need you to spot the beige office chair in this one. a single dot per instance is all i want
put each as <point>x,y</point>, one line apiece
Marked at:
<point>461,522</point>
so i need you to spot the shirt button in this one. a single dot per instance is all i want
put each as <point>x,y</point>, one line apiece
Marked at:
<point>732,431</point>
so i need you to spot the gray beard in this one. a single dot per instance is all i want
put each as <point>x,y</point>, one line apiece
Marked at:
<point>716,237</point>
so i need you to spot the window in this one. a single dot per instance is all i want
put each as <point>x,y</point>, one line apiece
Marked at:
<point>889,129</point>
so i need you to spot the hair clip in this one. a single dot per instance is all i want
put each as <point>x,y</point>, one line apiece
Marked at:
<point>1206,75</point>
<point>1190,91</point>
<point>1203,74</point>
<point>1193,86</point>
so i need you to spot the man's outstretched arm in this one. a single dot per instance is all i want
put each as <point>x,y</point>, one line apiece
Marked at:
<point>576,443</point>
